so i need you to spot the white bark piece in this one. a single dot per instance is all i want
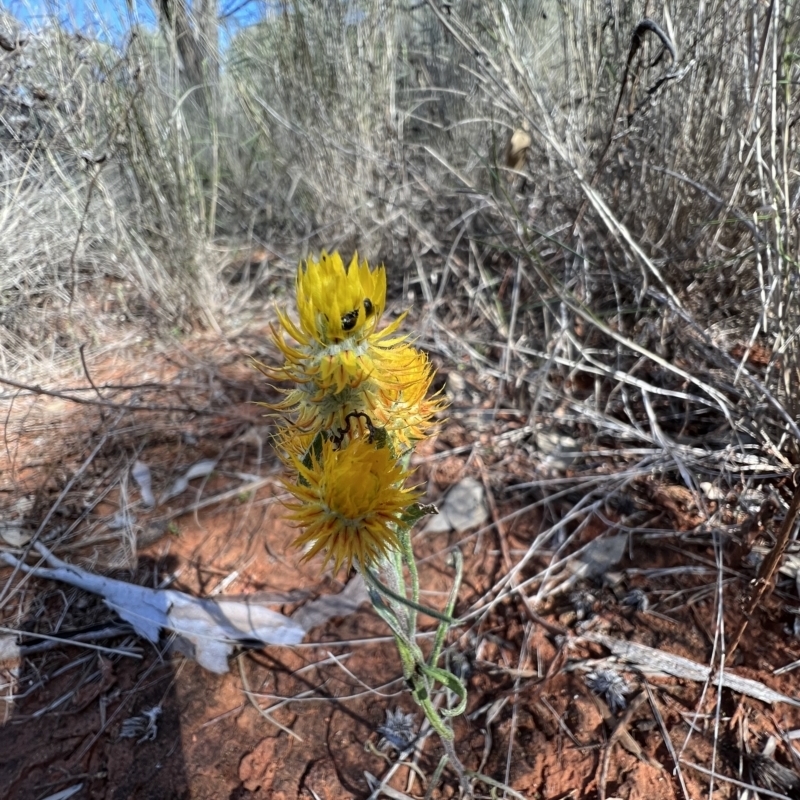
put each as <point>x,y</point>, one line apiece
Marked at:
<point>209,628</point>
<point>140,473</point>
<point>201,469</point>
<point>319,611</point>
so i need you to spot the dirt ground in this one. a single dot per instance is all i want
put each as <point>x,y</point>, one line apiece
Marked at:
<point>303,722</point>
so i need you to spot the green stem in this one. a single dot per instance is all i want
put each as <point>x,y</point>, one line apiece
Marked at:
<point>392,569</point>
<point>408,556</point>
<point>376,584</point>
<point>423,698</point>
<point>455,762</point>
<point>441,631</point>
<point>387,614</point>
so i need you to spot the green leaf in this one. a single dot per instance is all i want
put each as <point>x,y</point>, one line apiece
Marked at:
<point>416,512</point>
<point>452,683</point>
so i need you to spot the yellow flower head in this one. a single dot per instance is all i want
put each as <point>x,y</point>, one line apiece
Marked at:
<point>349,500</point>
<point>393,397</point>
<point>337,303</point>
<point>338,344</point>
<point>405,410</point>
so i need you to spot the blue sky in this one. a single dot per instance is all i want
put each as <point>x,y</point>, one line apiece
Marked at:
<point>85,15</point>
<point>110,18</point>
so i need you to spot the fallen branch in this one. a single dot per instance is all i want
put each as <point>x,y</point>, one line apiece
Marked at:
<point>652,660</point>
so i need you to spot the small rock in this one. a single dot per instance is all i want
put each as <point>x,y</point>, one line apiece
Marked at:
<point>464,507</point>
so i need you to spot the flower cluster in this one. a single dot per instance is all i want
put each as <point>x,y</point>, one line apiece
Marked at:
<point>356,404</point>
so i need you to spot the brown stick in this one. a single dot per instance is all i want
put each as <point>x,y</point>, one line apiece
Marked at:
<point>637,38</point>
<point>88,401</point>
<point>769,566</point>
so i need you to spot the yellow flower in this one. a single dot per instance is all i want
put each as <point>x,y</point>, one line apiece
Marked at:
<point>338,344</point>
<point>337,303</point>
<point>405,411</point>
<point>392,397</point>
<point>349,500</point>
<point>290,443</point>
